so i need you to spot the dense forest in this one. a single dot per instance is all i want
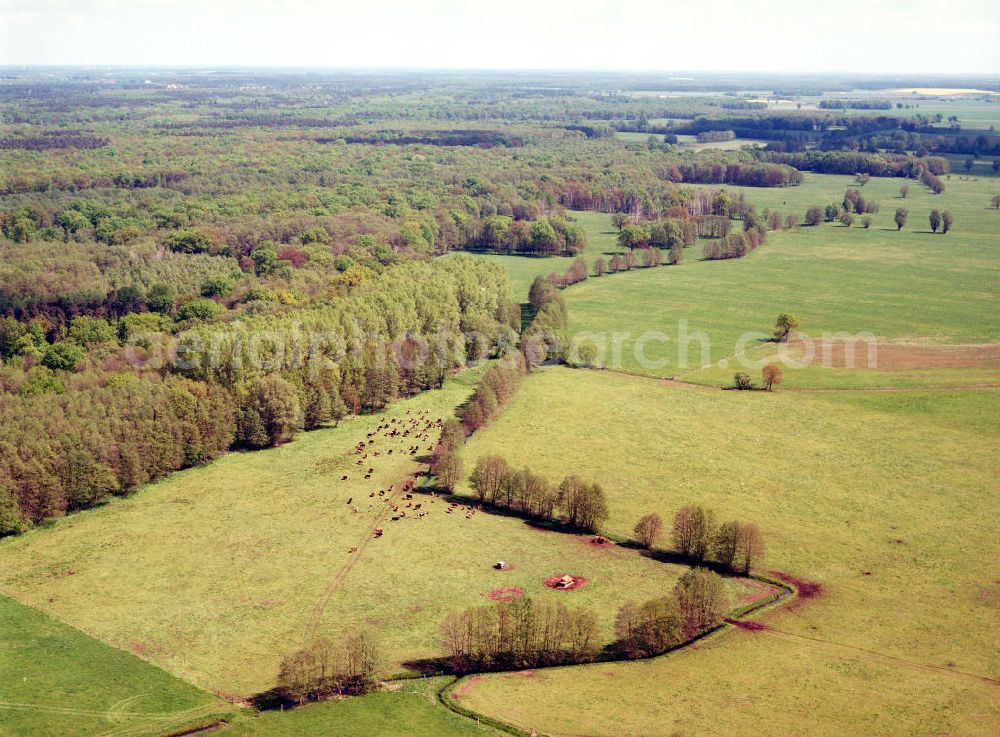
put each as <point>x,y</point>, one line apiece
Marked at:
<point>196,262</point>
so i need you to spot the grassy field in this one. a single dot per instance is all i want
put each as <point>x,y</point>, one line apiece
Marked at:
<point>409,709</point>
<point>690,143</point>
<point>887,500</point>
<point>55,680</point>
<point>602,240</point>
<point>909,286</point>
<point>217,572</point>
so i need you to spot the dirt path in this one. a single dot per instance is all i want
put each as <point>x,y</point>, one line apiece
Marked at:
<point>377,521</point>
<point>761,627</point>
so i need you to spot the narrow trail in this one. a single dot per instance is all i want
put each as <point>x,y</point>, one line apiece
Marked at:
<point>378,520</point>
<point>760,627</point>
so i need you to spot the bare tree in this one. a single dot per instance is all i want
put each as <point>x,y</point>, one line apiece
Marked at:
<point>647,529</point>
<point>489,476</point>
<point>693,530</point>
<point>771,375</point>
<point>750,547</point>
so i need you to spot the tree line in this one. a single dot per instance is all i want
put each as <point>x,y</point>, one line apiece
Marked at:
<point>325,668</point>
<point>532,633</point>
<point>697,536</point>
<point>91,418</point>
<point>575,502</point>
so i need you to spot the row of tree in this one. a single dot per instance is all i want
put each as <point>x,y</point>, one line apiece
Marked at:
<point>525,633</point>
<point>696,604</point>
<point>548,236</point>
<point>696,535</point>
<point>531,633</point>
<point>577,503</point>
<point>734,245</point>
<point>325,668</point>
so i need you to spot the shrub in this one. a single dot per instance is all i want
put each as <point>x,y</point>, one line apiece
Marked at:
<point>647,529</point>
<point>63,356</point>
<point>771,375</point>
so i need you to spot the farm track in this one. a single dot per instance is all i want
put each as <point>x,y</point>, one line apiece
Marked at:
<point>377,520</point>
<point>765,628</point>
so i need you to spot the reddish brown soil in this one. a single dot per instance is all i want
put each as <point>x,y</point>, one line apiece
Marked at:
<point>599,545</point>
<point>553,583</point>
<point>505,593</point>
<point>884,356</point>
<point>466,686</point>
<point>759,591</point>
<point>746,624</point>
<point>806,589</point>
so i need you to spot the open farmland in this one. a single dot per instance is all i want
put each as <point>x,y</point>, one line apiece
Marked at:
<point>218,572</point>
<point>910,286</point>
<point>893,538</point>
<point>292,444</point>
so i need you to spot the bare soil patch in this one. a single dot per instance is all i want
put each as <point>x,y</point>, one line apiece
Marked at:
<point>466,686</point>
<point>806,589</point>
<point>746,624</point>
<point>885,356</point>
<point>758,591</point>
<point>505,594</point>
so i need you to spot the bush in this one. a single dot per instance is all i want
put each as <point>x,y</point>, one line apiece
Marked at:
<point>200,310</point>
<point>647,530</point>
<point>63,356</point>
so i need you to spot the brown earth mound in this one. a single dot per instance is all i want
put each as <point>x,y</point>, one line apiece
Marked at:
<point>601,542</point>
<point>565,582</point>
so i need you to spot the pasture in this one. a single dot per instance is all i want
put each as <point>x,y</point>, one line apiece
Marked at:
<point>884,501</point>
<point>58,681</point>
<point>218,572</point>
<point>404,709</point>
<point>910,286</point>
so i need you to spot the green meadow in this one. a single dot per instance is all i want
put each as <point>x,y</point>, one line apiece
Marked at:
<point>56,681</point>
<point>404,709</point>
<point>885,500</point>
<point>909,286</point>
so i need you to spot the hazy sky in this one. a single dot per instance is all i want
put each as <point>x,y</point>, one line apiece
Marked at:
<point>920,36</point>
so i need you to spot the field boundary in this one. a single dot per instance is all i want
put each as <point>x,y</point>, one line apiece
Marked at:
<point>785,591</point>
